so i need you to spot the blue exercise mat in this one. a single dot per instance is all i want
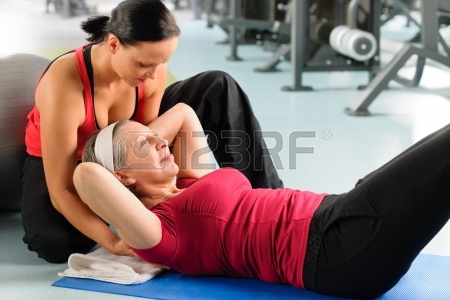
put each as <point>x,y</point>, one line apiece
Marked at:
<point>428,278</point>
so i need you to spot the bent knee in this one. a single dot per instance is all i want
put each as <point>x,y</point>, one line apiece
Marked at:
<point>216,73</point>
<point>218,77</point>
<point>49,248</point>
<point>54,242</point>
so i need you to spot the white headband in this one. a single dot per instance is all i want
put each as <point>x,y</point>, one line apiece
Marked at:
<point>104,147</point>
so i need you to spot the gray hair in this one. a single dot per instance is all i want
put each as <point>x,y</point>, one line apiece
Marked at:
<point>119,152</point>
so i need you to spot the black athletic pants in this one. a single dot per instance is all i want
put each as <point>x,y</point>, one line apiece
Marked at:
<point>47,232</point>
<point>235,138</point>
<point>362,242</point>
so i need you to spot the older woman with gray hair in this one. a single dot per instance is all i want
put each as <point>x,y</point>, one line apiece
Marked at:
<point>184,215</point>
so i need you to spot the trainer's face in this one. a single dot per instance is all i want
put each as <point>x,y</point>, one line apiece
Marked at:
<point>138,63</point>
<point>147,154</point>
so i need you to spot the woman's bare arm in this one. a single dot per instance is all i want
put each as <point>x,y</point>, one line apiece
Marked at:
<point>107,197</point>
<point>59,99</point>
<point>181,127</point>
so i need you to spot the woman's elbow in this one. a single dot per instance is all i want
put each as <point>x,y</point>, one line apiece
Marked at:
<point>85,174</point>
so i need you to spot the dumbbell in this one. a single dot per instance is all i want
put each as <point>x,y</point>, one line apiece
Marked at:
<point>354,43</point>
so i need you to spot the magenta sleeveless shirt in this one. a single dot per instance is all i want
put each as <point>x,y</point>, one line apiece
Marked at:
<point>221,226</point>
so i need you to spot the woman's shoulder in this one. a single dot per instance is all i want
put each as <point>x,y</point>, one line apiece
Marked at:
<point>61,86</point>
<point>63,67</point>
<point>62,70</point>
<point>61,73</point>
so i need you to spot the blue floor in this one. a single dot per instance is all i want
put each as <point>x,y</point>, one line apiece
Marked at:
<point>357,145</point>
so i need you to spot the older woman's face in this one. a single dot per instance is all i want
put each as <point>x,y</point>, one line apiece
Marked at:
<point>146,151</point>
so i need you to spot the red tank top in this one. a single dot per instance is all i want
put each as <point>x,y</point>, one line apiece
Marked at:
<point>220,226</point>
<point>89,126</point>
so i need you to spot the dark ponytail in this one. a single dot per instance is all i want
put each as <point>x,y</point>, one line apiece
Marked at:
<point>96,28</point>
<point>134,21</point>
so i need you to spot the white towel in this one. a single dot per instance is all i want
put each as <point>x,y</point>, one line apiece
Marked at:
<point>105,266</point>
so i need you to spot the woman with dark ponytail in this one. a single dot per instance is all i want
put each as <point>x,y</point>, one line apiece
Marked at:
<point>121,74</point>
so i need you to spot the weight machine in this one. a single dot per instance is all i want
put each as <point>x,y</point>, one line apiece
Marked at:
<point>244,21</point>
<point>430,37</point>
<point>339,35</point>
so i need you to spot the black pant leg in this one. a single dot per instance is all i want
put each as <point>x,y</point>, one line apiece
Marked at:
<point>371,235</point>
<point>227,117</point>
<point>406,151</point>
<point>47,232</point>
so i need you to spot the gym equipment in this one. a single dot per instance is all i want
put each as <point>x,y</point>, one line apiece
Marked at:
<point>351,41</point>
<point>393,8</point>
<point>404,7</point>
<point>19,74</point>
<point>246,17</point>
<point>357,44</point>
<point>320,27</point>
<point>427,278</point>
<point>431,38</point>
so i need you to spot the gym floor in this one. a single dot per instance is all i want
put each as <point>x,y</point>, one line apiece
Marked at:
<point>358,145</point>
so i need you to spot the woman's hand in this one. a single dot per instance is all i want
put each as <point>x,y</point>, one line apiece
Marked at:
<point>118,247</point>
